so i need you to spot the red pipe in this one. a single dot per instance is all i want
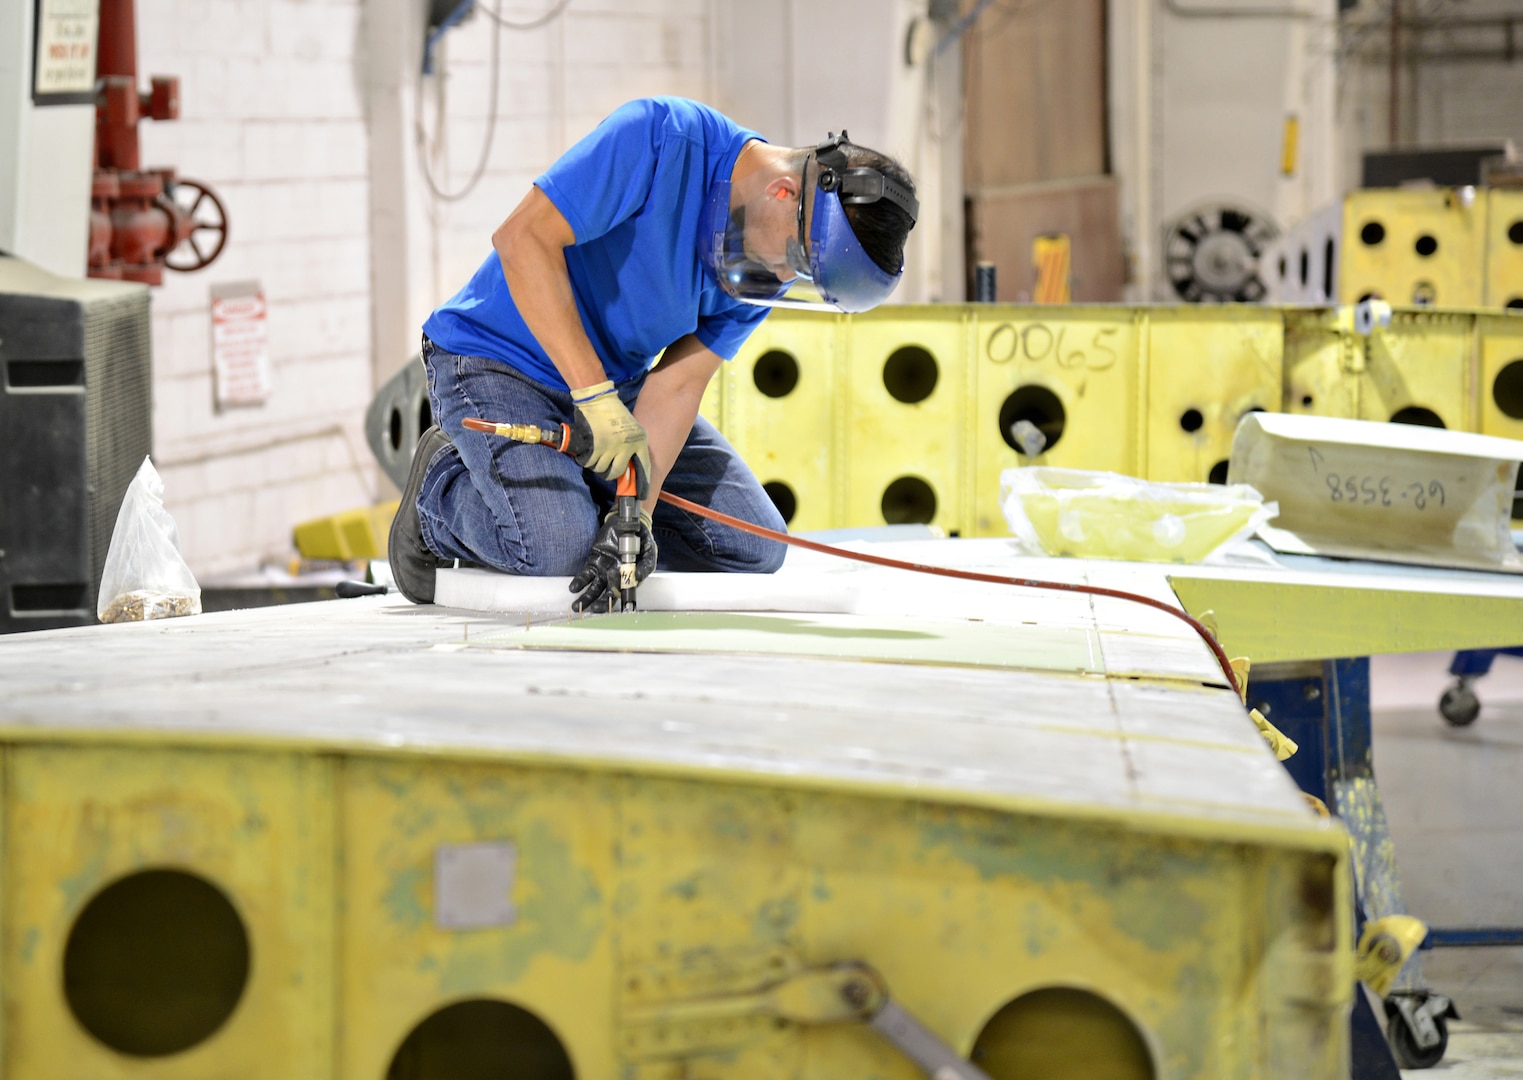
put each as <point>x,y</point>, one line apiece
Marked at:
<point>116,53</point>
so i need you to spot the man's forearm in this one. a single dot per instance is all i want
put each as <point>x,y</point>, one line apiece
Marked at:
<point>669,403</point>
<point>531,246</point>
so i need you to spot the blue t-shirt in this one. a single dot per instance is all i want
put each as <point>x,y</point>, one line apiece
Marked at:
<point>633,192</point>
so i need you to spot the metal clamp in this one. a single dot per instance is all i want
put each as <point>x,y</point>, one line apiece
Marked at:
<point>847,992</point>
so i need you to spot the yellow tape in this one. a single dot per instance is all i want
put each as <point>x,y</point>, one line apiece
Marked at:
<point>1282,746</point>
<point>1383,949</point>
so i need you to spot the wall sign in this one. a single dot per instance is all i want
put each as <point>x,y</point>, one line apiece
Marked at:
<point>64,51</point>
<point>240,344</point>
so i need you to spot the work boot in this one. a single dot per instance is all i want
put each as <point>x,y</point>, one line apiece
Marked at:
<point>412,564</point>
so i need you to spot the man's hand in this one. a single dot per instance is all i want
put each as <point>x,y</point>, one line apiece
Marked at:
<point>609,434</point>
<point>600,575</point>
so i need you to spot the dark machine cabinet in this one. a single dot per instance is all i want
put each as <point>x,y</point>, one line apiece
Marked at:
<point>75,400</point>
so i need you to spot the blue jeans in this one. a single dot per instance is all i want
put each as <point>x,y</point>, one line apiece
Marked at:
<point>530,510</point>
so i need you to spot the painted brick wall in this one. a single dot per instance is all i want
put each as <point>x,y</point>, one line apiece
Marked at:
<point>273,118</point>
<point>556,84</point>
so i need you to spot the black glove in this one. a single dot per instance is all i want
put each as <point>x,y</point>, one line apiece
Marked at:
<point>600,574</point>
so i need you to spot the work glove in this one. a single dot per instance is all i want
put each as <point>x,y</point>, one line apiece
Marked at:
<point>599,576</point>
<point>605,436</point>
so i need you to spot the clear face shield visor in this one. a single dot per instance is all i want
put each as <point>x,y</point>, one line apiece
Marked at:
<point>827,269</point>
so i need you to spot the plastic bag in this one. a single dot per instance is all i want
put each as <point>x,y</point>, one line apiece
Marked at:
<point>1102,515</point>
<point>145,575</point>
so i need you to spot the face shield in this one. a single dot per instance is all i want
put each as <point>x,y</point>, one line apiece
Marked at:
<point>827,269</point>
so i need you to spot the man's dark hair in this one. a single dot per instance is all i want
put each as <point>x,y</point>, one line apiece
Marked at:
<point>881,227</point>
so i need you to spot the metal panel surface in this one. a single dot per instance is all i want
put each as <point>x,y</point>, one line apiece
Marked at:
<point>1206,369</point>
<point>399,965</point>
<point>782,401</point>
<point>1075,373</point>
<point>1420,370</point>
<point>906,390</point>
<point>1414,247</point>
<point>1499,382</point>
<point>1322,359</point>
<point>256,826</point>
<point>1504,249</point>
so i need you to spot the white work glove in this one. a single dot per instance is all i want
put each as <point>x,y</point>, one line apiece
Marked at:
<point>610,435</point>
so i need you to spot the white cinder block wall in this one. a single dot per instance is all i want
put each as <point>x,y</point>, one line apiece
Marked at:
<point>311,119</point>
<point>274,120</point>
<point>280,104</point>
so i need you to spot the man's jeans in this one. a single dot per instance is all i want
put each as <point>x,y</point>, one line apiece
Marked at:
<point>530,510</point>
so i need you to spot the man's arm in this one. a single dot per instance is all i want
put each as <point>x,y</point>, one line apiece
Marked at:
<point>669,402</point>
<point>531,245</point>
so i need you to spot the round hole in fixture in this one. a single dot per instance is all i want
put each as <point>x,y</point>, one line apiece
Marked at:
<point>1417,416</point>
<point>1218,473</point>
<point>1062,1033</point>
<point>1507,389</point>
<point>481,1039</point>
<point>783,498</point>
<point>909,500</point>
<point>776,373</point>
<point>1036,405</point>
<point>1191,420</point>
<point>1426,245</point>
<point>1515,231</point>
<point>910,374</point>
<point>1372,233</point>
<point>155,963</point>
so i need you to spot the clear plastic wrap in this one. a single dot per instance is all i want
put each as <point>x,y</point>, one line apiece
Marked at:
<point>1100,515</point>
<point>145,576</point>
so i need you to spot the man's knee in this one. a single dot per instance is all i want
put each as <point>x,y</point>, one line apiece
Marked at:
<point>770,558</point>
<point>554,548</point>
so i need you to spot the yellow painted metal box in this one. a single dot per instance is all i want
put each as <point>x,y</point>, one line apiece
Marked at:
<point>1420,370</point>
<point>350,534</point>
<point>1207,367</point>
<point>781,400</point>
<point>109,852</point>
<point>1504,249</point>
<point>640,909</point>
<point>1410,247</point>
<point>371,841</point>
<point>906,400</point>
<point>1499,382</point>
<point>1073,373</point>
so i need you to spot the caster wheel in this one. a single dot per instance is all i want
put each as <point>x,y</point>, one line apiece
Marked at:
<point>1459,706</point>
<point>1404,1046</point>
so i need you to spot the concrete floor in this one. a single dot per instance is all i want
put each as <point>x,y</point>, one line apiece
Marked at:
<point>1454,798</point>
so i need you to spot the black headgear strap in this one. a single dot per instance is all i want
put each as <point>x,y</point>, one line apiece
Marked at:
<point>860,185</point>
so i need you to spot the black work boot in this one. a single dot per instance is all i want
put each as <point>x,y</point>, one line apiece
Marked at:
<point>412,564</point>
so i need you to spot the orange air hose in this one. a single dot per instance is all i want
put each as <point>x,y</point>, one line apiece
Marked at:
<point>965,575</point>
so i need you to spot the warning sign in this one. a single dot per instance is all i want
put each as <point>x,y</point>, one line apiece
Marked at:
<point>65,57</point>
<point>240,344</point>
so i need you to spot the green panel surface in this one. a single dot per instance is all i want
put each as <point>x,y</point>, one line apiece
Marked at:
<point>960,642</point>
<point>1270,621</point>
